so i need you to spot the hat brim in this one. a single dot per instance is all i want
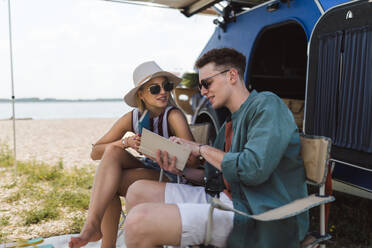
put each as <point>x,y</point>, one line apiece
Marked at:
<point>130,97</point>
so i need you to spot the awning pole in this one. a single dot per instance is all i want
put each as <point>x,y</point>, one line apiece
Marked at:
<point>12,81</point>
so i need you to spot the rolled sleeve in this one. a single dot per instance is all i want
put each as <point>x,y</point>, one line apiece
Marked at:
<point>229,167</point>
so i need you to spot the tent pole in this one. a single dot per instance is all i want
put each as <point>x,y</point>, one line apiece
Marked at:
<point>12,81</point>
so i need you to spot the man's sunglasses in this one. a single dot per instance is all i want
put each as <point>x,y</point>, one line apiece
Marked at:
<point>204,82</point>
<point>156,88</point>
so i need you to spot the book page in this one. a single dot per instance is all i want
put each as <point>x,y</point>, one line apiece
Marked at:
<point>151,142</point>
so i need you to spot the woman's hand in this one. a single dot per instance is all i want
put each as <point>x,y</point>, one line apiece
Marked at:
<point>132,142</point>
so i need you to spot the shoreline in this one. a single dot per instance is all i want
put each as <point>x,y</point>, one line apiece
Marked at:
<point>18,119</point>
<point>55,140</point>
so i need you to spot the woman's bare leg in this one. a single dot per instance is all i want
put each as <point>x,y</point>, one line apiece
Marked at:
<point>111,217</point>
<point>105,187</point>
<point>110,221</point>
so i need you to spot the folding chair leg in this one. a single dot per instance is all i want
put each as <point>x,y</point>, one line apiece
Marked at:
<point>161,175</point>
<point>322,215</point>
<point>208,234</point>
<point>121,223</point>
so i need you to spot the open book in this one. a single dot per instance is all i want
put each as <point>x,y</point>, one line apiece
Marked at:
<point>151,142</point>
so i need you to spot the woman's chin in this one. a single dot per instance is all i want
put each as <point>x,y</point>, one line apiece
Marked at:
<point>161,104</point>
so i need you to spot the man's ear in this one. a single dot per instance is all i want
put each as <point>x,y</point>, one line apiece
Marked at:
<point>233,75</point>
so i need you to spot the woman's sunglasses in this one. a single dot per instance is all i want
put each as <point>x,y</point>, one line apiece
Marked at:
<point>156,88</point>
<point>204,82</point>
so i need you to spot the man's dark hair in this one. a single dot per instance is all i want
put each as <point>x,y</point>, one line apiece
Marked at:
<point>225,58</point>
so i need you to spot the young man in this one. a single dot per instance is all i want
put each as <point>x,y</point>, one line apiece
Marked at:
<point>254,165</point>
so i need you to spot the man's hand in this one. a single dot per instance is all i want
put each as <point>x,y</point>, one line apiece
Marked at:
<point>164,163</point>
<point>163,160</point>
<point>190,144</point>
<point>212,155</point>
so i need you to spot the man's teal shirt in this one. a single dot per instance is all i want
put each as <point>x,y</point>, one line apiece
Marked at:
<point>265,171</point>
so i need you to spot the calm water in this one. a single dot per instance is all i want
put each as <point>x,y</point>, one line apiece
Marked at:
<point>64,110</point>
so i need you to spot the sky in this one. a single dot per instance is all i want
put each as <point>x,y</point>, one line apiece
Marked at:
<point>89,48</point>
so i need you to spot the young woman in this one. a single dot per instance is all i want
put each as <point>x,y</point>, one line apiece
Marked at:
<point>118,169</point>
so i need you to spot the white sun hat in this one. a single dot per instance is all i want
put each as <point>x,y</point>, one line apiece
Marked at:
<point>144,73</point>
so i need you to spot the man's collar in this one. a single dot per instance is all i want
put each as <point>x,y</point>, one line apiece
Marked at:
<point>252,95</point>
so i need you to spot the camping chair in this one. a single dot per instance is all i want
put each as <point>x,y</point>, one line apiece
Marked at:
<point>315,152</point>
<point>200,131</point>
<point>183,98</point>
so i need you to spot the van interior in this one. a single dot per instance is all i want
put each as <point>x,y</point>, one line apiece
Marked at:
<point>278,64</point>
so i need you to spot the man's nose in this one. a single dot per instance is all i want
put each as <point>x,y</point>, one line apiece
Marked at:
<point>203,91</point>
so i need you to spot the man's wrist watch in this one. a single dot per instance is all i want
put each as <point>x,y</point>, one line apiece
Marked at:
<point>201,158</point>
<point>200,146</point>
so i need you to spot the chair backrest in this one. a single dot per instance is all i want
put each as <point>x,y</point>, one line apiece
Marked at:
<point>183,99</point>
<point>315,152</point>
<point>297,108</point>
<point>200,132</point>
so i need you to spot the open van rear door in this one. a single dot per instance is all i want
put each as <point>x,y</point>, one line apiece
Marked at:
<point>339,92</point>
<point>192,7</point>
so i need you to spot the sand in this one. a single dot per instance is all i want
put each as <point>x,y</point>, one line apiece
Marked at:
<point>51,141</point>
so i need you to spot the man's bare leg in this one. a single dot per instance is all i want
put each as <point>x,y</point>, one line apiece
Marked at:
<point>153,225</point>
<point>144,191</point>
<point>105,187</point>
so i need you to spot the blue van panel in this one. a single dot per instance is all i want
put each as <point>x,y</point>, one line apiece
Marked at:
<point>327,4</point>
<point>243,34</point>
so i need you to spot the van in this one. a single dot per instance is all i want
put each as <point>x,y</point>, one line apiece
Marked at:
<point>317,56</point>
<point>314,54</point>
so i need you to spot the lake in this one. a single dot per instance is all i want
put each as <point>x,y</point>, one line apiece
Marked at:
<point>64,110</point>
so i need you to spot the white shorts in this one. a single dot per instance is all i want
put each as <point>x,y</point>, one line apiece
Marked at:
<point>193,205</point>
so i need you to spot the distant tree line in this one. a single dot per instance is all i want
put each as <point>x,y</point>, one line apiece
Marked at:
<point>190,80</point>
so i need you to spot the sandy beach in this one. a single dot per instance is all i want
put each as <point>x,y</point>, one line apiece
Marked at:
<point>51,141</point>
<point>48,141</point>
